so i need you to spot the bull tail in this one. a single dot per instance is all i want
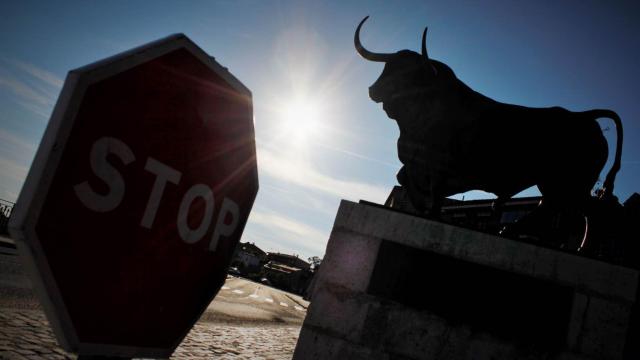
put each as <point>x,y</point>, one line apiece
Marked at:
<point>607,187</point>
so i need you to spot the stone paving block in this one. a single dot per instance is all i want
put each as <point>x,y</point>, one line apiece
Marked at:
<point>438,291</point>
<point>316,345</point>
<point>604,328</point>
<point>416,335</point>
<point>351,261</point>
<point>342,310</point>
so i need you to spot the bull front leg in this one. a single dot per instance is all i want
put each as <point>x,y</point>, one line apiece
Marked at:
<point>434,200</point>
<point>416,195</point>
<point>425,196</point>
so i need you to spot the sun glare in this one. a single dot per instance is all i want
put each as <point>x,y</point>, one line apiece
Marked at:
<point>300,120</point>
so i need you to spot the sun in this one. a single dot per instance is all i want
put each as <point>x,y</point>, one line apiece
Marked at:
<point>300,120</point>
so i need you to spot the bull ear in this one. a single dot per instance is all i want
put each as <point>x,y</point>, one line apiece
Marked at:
<point>425,55</point>
<point>371,56</point>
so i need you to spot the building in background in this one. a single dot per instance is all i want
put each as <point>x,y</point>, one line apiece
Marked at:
<point>283,271</point>
<point>608,232</point>
<point>473,214</point>
<point>248,258</point>
<point>480,214</point>
<point>289,260</point>
<point>288,272</point>
<point>5,213</point>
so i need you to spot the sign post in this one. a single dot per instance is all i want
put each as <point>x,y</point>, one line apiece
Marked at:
<point>137,196</point>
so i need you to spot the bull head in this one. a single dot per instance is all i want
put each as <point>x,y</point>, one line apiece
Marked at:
<point>405,72</point>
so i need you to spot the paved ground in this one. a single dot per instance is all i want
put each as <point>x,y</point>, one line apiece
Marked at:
<point>244,300</point>
<point>25,334</point>
<point>246,321</point>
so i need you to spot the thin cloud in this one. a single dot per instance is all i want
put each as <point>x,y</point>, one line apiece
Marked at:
<point>12,171</point>
<point>301,173</point>
<point>40,74</point>
<point>23,91</point>
<point>283,233</point>
<point>11,178</point>
<point>283,223</point>
<point>11,143</point>
<point>298,199</point>
<point>40,110</point>
<point>15,159</point>
<point>33,88</point>
<point>356,155</point>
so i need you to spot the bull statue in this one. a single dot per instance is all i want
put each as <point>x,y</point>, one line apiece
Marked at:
<point>454,139</point>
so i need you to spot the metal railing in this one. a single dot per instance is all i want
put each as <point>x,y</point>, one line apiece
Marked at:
<point>5,213</point>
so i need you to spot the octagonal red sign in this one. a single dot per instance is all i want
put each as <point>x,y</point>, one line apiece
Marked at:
<point>138,194</point>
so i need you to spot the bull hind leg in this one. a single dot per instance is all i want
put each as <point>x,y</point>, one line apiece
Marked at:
<point>567,184</point>
<point>559,220</point>
<point>562,215</point>
<point>512,230</point>
<point>570,176</point>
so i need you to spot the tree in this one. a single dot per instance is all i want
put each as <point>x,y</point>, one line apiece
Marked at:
<point>315,262</point>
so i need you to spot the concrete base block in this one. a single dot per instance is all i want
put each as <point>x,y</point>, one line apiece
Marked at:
<point>396,286</point>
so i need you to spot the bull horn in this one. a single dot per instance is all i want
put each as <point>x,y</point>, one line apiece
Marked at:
<point>425,56</point>
<point>366,53</point>
<point>424,44</point>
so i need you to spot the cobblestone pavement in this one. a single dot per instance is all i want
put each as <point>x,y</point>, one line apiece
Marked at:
<point>219,341</point>
<point>25,334</point>
<point>241,323</point>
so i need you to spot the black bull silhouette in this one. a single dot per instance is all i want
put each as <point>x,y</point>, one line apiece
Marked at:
<point>454,139</point>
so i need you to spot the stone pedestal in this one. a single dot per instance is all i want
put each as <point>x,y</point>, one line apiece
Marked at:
<point>395,286</point>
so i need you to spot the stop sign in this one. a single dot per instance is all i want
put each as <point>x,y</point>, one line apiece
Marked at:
<point>137,196</point>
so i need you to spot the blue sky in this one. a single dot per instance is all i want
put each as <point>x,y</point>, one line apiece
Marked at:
<point>576,54</point>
